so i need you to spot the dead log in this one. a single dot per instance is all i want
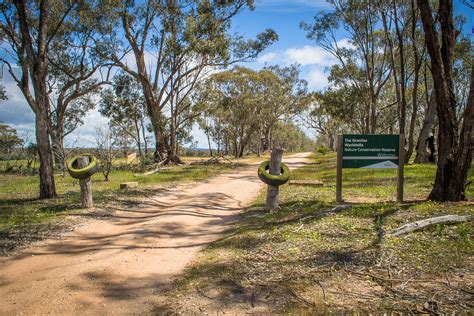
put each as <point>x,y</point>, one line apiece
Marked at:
<point>414,226</point>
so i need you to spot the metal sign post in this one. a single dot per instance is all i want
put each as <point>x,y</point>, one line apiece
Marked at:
<point>370,151</point>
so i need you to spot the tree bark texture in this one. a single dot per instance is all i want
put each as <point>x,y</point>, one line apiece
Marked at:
<point>454,148</point>
<point>46,171</point>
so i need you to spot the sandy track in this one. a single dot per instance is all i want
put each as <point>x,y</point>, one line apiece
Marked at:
<point>125,264</point>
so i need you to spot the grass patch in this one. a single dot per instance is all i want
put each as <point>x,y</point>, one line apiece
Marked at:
<point>293,261</point>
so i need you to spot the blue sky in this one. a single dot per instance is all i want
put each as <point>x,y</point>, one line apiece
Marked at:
<point>284,16</point>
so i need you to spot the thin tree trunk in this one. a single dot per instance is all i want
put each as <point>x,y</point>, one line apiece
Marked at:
<point>209,144</point>
<point>57,140</point>
<point>417,61</point>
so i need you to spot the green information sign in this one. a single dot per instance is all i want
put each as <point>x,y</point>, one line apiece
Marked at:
<point>370,151</point>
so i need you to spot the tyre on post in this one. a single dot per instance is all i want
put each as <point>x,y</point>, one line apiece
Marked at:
<point>274,173</point>
<point>82,167</point>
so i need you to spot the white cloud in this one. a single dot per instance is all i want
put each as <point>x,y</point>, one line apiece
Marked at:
<point>317,79</point>
<point>308,55</point>
<point>265,58</point>
<point>345,43</point>
<point>84,135</point>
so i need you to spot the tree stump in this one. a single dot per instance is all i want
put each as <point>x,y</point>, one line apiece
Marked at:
<point>85,184</point>
<point>272,202</point>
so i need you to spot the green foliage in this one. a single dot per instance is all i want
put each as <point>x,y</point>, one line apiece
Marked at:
<point>188,39</point>
<point>324,150</point>
<point>9,139</point>
<point>124,105</point>
<point>247,109</point>
<point>290,137</point>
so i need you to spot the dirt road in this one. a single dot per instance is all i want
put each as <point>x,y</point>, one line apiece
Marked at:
<point>125,264</point>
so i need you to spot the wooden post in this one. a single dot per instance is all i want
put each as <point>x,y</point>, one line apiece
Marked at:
<point>86,190</point>
<point>275,169</point>
<point>401,162</point>
<point>339,170</point>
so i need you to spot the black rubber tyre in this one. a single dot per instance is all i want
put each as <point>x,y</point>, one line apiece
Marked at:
<point>271,179</point>
<point>85,172</point>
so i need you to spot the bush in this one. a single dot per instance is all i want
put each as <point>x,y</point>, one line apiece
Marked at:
<point>324,150</point>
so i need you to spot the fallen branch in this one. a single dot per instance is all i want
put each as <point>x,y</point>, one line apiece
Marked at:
<point>414,226</point>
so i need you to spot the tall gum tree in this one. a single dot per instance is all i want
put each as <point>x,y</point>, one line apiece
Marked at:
<point>76,74</point>
<point>363,65</point>
<point>172,42</point>
<point>28,29</point>
<point>50,42</point>
<point>454,139</point>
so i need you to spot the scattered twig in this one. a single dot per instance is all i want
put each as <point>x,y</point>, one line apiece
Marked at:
<point>323,289</point>
<point>331,211</point>
<point>201,293</point>
<point>300,298</point>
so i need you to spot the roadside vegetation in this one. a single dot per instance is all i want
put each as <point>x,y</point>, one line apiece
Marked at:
<point>25,218</point>
<point>303,259</point>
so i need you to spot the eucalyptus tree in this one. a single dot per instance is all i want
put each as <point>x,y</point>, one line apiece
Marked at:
<point>171,42</point>
<point>237,103</point>
<point>362,61</point>
<point>456,124</point>
<point>401,24</point>
<point>76,75</point>
<point>9,139</point>
<point>28,29</point>
<point>50,41</point>
<point>318,117</point>
<point>286,96</point>
<point>124,105</point>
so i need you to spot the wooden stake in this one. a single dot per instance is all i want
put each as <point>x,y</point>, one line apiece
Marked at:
<point>401,162</point>
<point>86,190</point>
<point>275,169</point>
<point>339,170</point>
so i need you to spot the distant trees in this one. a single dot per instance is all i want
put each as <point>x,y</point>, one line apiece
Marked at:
<point>3,93</point>
<point>106,149</point>
<point>124,105</point>
<point>9,139</point>
<point>243,106</point>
